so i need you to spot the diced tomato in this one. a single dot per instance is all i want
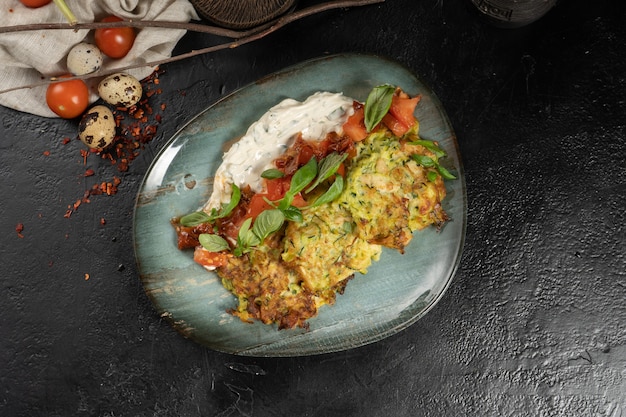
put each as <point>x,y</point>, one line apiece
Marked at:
<point>354,127</point>
<point>307,151</point>
<point>394,125</point>
<point>276,188</point>
<point>403,108</point>
<point>211,259</point>
<point>257,205</point>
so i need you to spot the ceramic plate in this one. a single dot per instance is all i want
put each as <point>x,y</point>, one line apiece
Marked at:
<point>397,290</point>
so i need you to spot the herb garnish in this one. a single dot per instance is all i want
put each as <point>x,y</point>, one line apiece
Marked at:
<point>199,217</point>
<point>377,105</point>
<point>428,162</point>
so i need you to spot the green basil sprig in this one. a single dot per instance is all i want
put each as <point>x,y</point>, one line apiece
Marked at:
<point>428,162</point>
<point>301,178</point>
<point>328,167</point>
<point>266,223</point>
<point>377,105</point>
<point>199,217</point>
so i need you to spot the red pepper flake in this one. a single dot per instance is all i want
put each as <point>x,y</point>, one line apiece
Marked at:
<point>46,153</point>
<point>103,221</point>
<point>19,228</point>
<point>84,153</point>
<point>137,126</point>
<point>66,141</point>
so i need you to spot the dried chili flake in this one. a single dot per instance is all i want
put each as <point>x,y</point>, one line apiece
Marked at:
<point>46,153</point>
<point>89,173</point>
<point>19,228</point>
<point>66,141</point>
<point>103,221</point>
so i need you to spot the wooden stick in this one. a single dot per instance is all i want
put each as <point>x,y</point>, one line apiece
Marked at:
<point>240,37</point>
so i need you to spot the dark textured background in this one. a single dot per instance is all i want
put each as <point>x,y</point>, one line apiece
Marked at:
<point>533,323</point>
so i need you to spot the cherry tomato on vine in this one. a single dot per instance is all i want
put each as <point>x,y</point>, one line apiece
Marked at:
<point>68,99</point>
<point>35,3</point>
<point>114,42</point>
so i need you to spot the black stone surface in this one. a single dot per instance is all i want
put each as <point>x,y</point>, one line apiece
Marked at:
<point>533,324</point>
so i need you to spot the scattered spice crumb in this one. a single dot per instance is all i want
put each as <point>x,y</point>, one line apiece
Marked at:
<point>136,127</point>
<point>86,277</point>
<point>103,221</point>
<point>19,228</point>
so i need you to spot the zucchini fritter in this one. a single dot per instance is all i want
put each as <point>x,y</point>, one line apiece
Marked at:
<point>389,194</point>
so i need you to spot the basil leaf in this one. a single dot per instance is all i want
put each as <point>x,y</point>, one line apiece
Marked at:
<point>213,243</point>
<point>432,176</point>
<point>245,238</point>
<point>293,214</point>
<point>267,222</point>
<point>331,194</point>
<point>377,105</point>
<point>199,217</point>
<point>327,167</point>
<point>425,161</point>
<point>445,173</point>
<point>303,176</point>
<point>234,200</point>
<point>272,173</point>
<point>194,219</point>
<point>439,153</point>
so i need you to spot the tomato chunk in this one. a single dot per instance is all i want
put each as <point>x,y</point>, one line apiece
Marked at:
<point>403,108</point>
<point>394,125</point>
<point>354,127</point>
<point>210,259</point>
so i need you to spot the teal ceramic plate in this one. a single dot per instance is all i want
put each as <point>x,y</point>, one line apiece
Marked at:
<point>397,290</point>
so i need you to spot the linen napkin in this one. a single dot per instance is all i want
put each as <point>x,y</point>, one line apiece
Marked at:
<point>32,56</point>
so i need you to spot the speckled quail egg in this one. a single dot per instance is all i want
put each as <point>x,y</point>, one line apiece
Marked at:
<point>84,58</point>
<point>96,128</point>
<point>120,90</point>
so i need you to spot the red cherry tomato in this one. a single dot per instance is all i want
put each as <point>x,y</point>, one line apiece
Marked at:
<point>35,3</point>
<point>68,99</point>
<point>114,42</point>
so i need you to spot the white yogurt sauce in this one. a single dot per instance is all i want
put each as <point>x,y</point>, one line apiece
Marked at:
<point>271,136</point>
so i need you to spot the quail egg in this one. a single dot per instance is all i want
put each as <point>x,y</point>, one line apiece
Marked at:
<point>96,128</point>
<point>120,90</point>
<point>84,58</point>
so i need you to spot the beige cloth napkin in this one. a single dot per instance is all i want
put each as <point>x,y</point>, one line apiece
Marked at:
<point>27,57</point>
